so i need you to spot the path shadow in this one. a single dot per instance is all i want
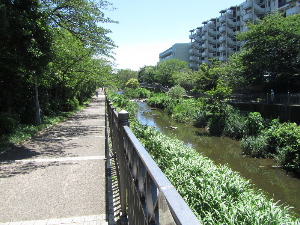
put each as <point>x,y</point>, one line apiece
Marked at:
<point>10,169</point>
<point>18,153</point>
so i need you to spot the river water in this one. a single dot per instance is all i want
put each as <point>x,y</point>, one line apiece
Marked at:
<point>275,182</point>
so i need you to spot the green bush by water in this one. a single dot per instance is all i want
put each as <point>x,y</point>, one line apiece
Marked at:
<point>137,93</point>
<point>258,137</point>
<point>216,194</point>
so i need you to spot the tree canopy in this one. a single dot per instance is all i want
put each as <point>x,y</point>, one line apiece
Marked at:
<point>51,52</point>
<point>271,53</point>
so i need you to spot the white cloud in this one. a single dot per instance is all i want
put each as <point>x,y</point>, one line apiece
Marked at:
<point>135,56</point>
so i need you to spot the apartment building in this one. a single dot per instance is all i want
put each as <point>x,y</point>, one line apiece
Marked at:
<point>177,51</point>
<point>216,38</point>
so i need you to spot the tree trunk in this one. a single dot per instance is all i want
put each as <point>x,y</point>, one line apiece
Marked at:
<point>37,103</point>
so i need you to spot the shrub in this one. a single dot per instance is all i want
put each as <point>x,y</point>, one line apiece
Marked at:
<point>158,100</point>
<point>132,83</point>
<point>254,124</point>
<point>186,110</point>
<point>170,104</point>
<point>176,92</point>
<point>8,123</point>
<point>70,104</point>
<point>283,134</point>
<point>201,118</point>
<point>284,143</point>
<point>121,102</point>
<point>216,124</point>
<point>137,93</point>
<point>256,146</point>
<point>290,158</point>
<point>234,125</point>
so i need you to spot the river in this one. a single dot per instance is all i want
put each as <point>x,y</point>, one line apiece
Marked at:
<point>275,182</point>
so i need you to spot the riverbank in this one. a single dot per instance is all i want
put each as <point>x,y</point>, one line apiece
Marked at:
<point>264,173</point>
<point>259,137</point>
<point>215,193</point>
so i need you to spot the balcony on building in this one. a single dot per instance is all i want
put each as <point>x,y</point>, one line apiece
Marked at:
<point>294,10</point>
<point>213,32</point>
<point>212,23</point>
<point>198,38</point>
<point>229,13</point>
<point>230,32</point>
<point>222,29</point>
<point>223,58</point>
<point>205,29</point>
<point>194,52</point>
<point>211,48</point>
<point>248,17</point>
<point>222,49</point>
<point>199,31</point>
<point>222,19</point>
<point>205,37</point>
<point>204,46</point>
<point>212,40</point>
<point>231,42</point>
<point>231,23</point>
<point>195,45</point>
<point>192,36</point>
<point>248,4</point>
<point>222,38</point>
<point>194,58</point>
<point>204,54</point>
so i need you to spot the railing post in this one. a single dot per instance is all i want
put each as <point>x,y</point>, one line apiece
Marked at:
<point>123,117</point>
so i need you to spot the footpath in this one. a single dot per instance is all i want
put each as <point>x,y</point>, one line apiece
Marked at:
<point>58,177</point>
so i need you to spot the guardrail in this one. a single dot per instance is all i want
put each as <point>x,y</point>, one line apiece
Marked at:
<point>285,99</point>
<point>146,195</point>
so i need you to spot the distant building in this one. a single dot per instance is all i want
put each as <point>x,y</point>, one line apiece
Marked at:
<point>215,39</point>
<point>177,51</point>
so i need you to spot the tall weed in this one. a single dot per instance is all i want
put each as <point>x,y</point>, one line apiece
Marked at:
<point>216,194</point>
<point>234,124</point>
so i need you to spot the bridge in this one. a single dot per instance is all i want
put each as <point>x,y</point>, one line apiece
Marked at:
<point>89,169</point>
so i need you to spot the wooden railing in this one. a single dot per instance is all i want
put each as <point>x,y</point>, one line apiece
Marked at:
<point>146,195</point>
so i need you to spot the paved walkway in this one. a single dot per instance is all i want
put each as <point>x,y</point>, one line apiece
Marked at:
<point>59,176</point>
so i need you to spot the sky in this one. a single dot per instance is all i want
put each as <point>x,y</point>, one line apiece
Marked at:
<point>149,27</point>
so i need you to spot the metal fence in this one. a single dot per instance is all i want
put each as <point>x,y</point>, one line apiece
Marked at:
<point>285,99</point>
<point>146,195</point>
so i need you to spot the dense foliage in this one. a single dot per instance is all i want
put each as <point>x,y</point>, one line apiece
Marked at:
<point>270,55</point>
<point>259,137</point>
<point>216,194</point>
<point>51,57</point>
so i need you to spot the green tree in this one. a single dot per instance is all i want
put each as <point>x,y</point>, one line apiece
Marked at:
<point>82,18</point>
<point>271,52</point>
<point>146,74</point>
<point>124,75</point>
<point>74,73</point>
<point>25,51</point>
<point>205,78</point>
<point>132,83</point>
<point>166,71</point>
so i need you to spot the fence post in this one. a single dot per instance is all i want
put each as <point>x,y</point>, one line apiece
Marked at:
<point>123,117</point>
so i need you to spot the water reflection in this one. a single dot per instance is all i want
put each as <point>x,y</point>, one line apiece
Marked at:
<point>263,173</point>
